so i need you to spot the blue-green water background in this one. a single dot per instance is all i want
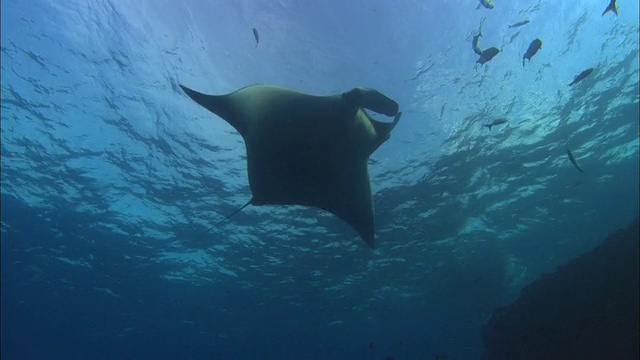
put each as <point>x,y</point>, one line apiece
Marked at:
<point>110,175</point>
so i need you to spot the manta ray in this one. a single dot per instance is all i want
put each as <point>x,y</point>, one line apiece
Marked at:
<point>306,149</point>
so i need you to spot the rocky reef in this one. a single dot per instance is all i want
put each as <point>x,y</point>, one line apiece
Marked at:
<point>587,309</point>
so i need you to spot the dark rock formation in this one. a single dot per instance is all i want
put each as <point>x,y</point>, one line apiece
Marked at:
<point>588,309</point>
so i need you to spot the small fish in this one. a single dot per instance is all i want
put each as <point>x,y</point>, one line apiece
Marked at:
<point>532,50</point>
<point>612,7</point>
<point>422,71</point>
<point>372,346</point>
<point>256,36</point>
<point>519,23</point>
<point>441,356</point>
<point>486,3</point>
<point>581,76</point>
<point>487,55</point>
<point>389,358</point>
<point>496,122</point>
<point>573,160</point>
<point>474,43</point>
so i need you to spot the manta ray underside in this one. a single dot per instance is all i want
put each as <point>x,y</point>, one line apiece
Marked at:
<point>308,150</point>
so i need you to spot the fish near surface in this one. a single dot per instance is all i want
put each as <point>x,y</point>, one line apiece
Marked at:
<point>487,55</point>
<point>256,36</point>
<point>474,43</point>
<point>309,150</point>
<point>519,23</point>
<point>613,7</point>
<point>495,122</point>
<point>573,160</point>
<point>489,4</point>
<point>581,76</point>
<point>532,50</point>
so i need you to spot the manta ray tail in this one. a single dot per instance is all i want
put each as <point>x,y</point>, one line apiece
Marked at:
<point>236,211</point>
<point>226,217</point>
<point>373,100</point>
<point>217,104</point>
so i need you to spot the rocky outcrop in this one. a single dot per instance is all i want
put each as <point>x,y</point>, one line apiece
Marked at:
<point>588,309</point>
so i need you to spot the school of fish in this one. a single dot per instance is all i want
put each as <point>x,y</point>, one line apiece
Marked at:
<point>487,55</point>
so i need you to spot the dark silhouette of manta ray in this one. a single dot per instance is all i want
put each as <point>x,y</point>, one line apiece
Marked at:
<point>309,150</point>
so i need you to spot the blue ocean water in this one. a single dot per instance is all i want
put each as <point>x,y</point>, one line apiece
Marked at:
<point>111,176</point>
